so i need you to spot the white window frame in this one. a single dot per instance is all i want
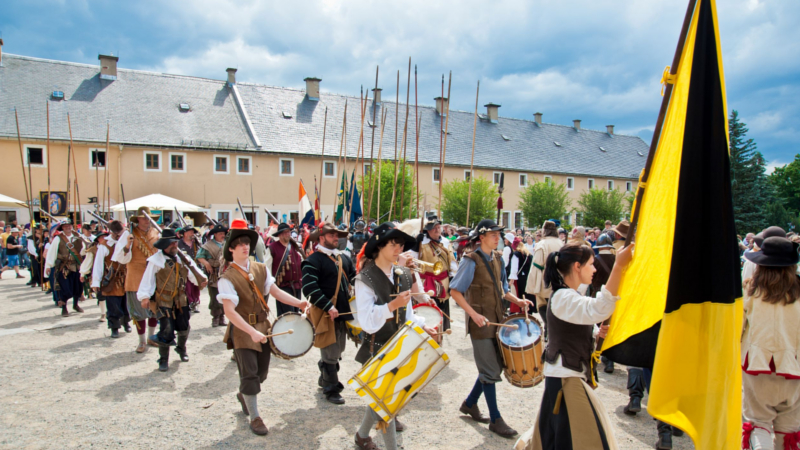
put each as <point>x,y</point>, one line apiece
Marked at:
<point>249,165</point>
<point>510,218</point>
<point>44,155</point>
<point>185,160</point>
<point>160,161</point>
<point>289,214</point>
<point>230,213</point>
<point>433,175</point>
<point>367,167</point>
<point>548,178</point>
<point>525,183</point>
<point>99,150</point>
<point>498,174</point>
<point>590,184</point>
<point>628,186</point>
<point>467,173</point>
<point>323,169</point>
<point>276,213</point>
<point>570,181</point>
<point>568,218</point>
<point>280,164</point>
<point>521,219</point>
<point>255,216</point>
<point>610,185</point>
<point>227,164</point>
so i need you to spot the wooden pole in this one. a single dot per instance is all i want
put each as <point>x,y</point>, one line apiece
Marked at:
<point>405,141</point>
<point>47,203</point>
<point>396,124</point>
<point>380,160</point>
<point>444,147</point>
<point>322,163</point>
<point>416,125</point>
<point>472,158</point>
<point>22,162</point>
<point>75,171</point>
<point>105,173</point>
<point>353,185</point>
<point>372,145</point>
<point>441,141</point>
<point>339,165</point>
<point>97,175</point>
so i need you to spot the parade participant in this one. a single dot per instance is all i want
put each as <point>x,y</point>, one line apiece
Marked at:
<point>434,248</point>
<point>518,270</point>
<point>210,257</point>
<point>604,259</point>
<point>771,374</point>
<point>508,245</point>
<point>86,231</point>
<point>12,253</point>
<point>164,281</point>
<point>571,415</point>
<point>380,315</point>
<point>344,242</point>
<point>132,249</point>
<point>34,249</point>
<point>286,259</point>
<point>88,254</point>
<point>327,276</point>
<point>64,260</point>
<point>359,237</point>
<point>620,234</point>
<point>541,251</point>
<point>479,288</point>
<point>108,279</point>
<point>188,244</point>
<point>241,290</point>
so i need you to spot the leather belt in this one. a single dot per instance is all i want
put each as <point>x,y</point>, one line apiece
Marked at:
<point>255,318</point>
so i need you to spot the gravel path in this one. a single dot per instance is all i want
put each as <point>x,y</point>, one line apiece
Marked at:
<point>64,383</point>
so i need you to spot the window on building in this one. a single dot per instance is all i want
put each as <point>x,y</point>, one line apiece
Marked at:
<point>523,180</point>
<point>367,169</point>
<point>294,217</point>
<point>224,216</point>
<point>36,156</point>
<point>506,219</point>
<point>220,164</point>
<point>243,165</point>
<point>610,185</point>
<point>591,183</point>
<point>548,179</point>
<point>628,186</point>
<point>177,162</point>
<point>467,175</point>
<point>152,161</point>
<point>570,183</point>
<point>287,167</point>
<point>579,219</point>
<point>329,169</point>
<point>567,219</point>
<point>252,218</point>
<point>436,175</point>
<point>97,158</point>
<point>518,219</point>
<point>496,177</point>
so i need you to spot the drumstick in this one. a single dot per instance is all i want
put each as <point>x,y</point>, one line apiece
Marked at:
<point>289,331</point>
<point>429,293</point>
<point>443,332</point>
<point>515,327</point>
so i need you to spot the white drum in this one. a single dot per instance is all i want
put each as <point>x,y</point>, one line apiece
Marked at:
<point>295,345</point>
<point>433,315</point>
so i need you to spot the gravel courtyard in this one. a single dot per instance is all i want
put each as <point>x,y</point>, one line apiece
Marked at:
<point>64,383</point>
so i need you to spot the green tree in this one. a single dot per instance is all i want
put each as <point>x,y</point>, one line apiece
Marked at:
<point>387,173</point>
<point>786,181</point>
<point>599,205</point>
<point>749,187</point>
<point>483,202</point>
<point>543,200</point>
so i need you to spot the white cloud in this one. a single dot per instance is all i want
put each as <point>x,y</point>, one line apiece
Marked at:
<point>773,164</point>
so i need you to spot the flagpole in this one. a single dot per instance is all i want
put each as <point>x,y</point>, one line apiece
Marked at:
<point>673,70</point>
<point>372,143</point>
<point>22,161</point>
<point>396,125</point>
<point>472,159</point>
<point>322,160</point>
<point>405,142</point>
<point>444,147</point>
<point>380,160</point>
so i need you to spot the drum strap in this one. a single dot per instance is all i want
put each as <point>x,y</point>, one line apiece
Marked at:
<point>253,286</point>
<point>491,273</point>
<point>338,262</point>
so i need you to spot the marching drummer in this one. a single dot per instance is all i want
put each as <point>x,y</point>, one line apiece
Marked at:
<point>241,291</point>
<point>383,302</point>
<point>479,287</point>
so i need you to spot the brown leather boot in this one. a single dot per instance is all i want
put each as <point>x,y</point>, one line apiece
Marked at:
<point>500,428</point>
<point>244,406</point>
<point>474,412</point>
<point>398,427</point>
<point>365,443</point>
<point>77,308</point>
<point>258,427</point>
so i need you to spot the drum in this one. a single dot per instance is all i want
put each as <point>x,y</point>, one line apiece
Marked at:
<point>295,345</point>
<point>433,315</point>
<point>522,351</point>
<point>353,327</point>
<point>402,368</point>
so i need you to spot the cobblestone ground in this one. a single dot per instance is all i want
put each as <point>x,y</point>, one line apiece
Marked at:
<point>64,383</point>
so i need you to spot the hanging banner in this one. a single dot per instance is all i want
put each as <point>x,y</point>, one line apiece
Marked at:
<point>57,205</point>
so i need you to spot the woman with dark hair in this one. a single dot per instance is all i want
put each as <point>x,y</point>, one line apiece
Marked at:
<point>380,315</point>
<point>770,336</point>
<point>568,397</point>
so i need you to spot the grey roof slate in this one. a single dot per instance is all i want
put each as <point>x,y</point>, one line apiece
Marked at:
<point>530,148</point>
<point>141,107</point>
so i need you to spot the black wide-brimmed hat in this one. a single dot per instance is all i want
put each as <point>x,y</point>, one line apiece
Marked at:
<point>238,229</point>
<point>385,232</point>
<point>768,233</point>
<point>776,252</point>
<point>328,228</point>
<point>189,228</point>
<point>485,226</point>
<point>219,228</point>
<point>283,226</point>
<point>431,223</point>
<point>168,236</point>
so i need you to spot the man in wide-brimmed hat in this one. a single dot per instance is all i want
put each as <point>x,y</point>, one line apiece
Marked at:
<point>190,244</point>
<point>132,249</point>
<point>620,233</point>
<point>108,279</point>
<point>242,290</point>
<point>164,282</point>
<point>65,257</point>
<point>327,276</point>
<point>210,257</point>
<point>284,255</point>
<point>435,249</point>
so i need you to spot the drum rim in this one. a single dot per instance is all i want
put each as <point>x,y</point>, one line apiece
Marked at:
<point>441,314</point>
<point>517,316</point>
<point>277,351</point>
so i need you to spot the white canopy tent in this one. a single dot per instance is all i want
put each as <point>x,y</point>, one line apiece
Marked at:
<point>8,202</point>
<point>156,202</point>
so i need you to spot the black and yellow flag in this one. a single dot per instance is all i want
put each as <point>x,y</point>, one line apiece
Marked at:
<point>680,310</point>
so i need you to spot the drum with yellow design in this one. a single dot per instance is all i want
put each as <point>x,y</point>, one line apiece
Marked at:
<point>402,367</point>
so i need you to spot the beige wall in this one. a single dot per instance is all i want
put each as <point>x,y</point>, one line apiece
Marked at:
<point>200,185</point>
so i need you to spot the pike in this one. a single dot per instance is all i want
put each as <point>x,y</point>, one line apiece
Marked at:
<point>242,210</point>
<point>396,124</point>
<point>213,222</point>
<point>416,153</point>
<point>339,164</point>
<point>75,170</point>
<point>183,256</point>
<point>125,207</point>
<point>405,142</point>
<point>380,160</point>
<point>272,217</point>
<point>444,147</point>
<point>252,204</point>
<point>75,233</point>
<point>322,165</point>
<point>372,143</point>
<point>353,186</point>
<point>22,161</point>
<point>184,224</point>
<point>102,221</point>
<point>472,160</point>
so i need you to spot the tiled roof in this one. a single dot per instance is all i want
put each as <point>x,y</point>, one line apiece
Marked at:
<point>141,107</point>
<point>527,147</point>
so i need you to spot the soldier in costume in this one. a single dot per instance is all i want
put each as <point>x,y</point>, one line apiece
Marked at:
<point>379,314</point>
<point>132,249</point>
<point>359,237</point>
<point>108,280</point>
<point>189,245</point>
<point>64,260</point>
<point>242,288</point>
<point>433,248</point>
<point>286,259</point>
<point>164,282</point>
<point>210,257</point>
<point>479,287</point>
<point>327,276</point>
<point>85,271</point>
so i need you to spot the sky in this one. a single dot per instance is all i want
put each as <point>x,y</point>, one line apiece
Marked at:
<point>595,60</point>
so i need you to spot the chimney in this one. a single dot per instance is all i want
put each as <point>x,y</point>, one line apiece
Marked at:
<point>376,94</point>
<point>491,111</point>
<point>576,124</point>
<point>537,117</point>
<point>1,50</point>
<point>442,104</point>
<point>231,76</point>
<point>108,67</point>
<point>610,130</point>
<point>312,88</point>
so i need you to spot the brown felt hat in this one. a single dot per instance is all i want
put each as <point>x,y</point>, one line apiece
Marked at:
<point>622,228</point>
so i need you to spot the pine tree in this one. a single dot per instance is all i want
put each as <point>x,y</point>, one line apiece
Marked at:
<point>751,191</point>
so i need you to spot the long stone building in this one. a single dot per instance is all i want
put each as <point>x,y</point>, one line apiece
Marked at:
<point>206,141</point>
